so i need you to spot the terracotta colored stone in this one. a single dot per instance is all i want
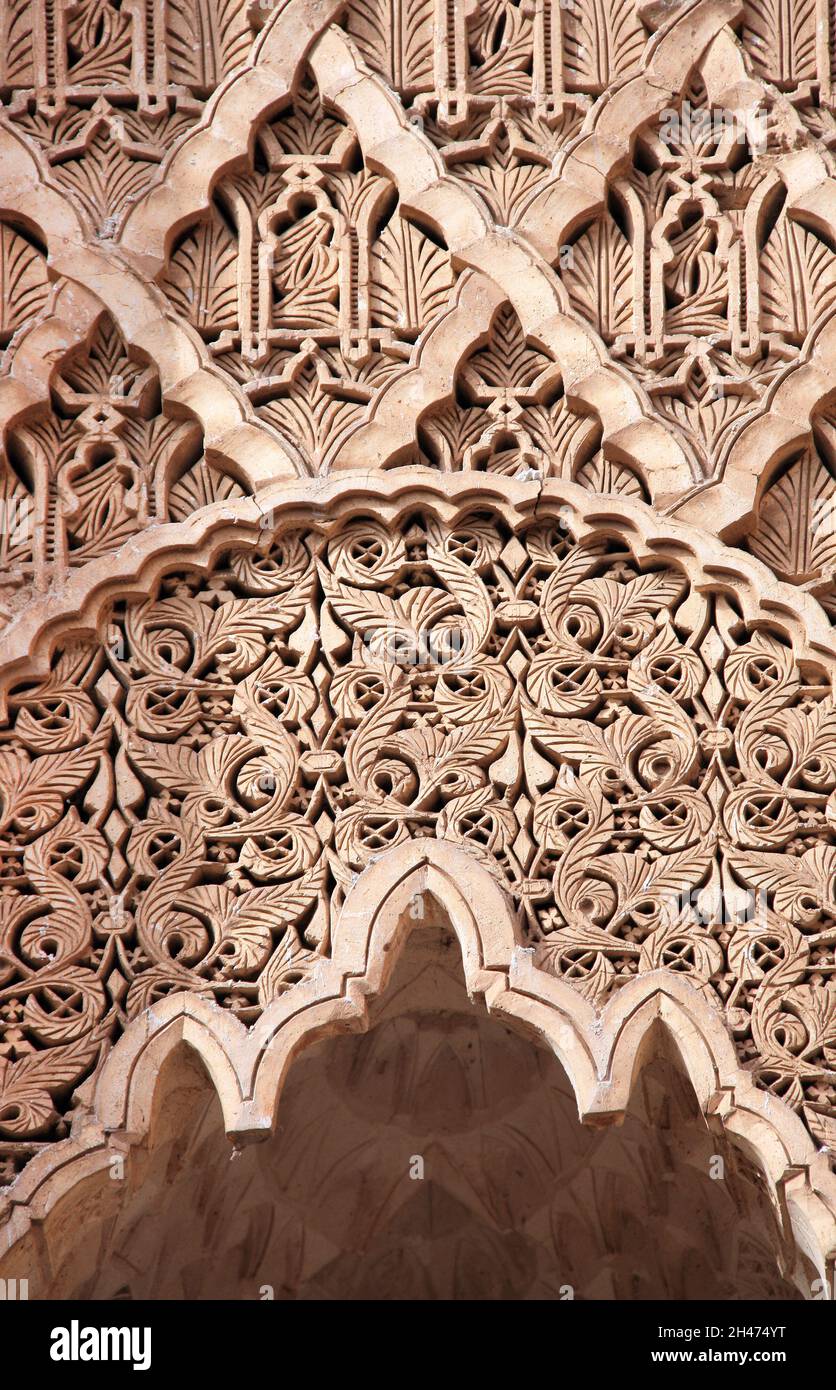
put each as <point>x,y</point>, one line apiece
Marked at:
<point>417,489</point>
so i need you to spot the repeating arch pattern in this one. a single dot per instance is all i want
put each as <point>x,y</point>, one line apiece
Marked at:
<point>706,417</point>
<point>507,272</point>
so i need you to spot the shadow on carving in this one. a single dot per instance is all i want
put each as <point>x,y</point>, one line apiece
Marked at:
<point>438,1155</point>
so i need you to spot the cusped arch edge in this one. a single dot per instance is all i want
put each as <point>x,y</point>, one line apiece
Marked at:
<point>597,1050</point>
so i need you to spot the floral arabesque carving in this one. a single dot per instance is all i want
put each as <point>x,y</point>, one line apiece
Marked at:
<point>467,58</point>
<point>501,89</point>
<point>188,801</point>
<point>510,415</point>
<point>697,277</point>
<point>305,281</point>
<point>100,466</point>
<point>104,89</point>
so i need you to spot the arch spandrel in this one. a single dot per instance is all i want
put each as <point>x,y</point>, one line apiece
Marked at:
<point>250,723</point>
<point>223,814</point>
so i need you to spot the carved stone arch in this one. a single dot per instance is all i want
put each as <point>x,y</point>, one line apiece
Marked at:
<point>508,411</point>
<point>316,287</point>
<point>406,156</point>
<point>76,393</point>
<point>188,383</point>
<point>513,1098</point>
<point>499,546</point>
<point>375,923</point>
<point>431,197</point>
<point>706,27</point>
<point>469,273</point>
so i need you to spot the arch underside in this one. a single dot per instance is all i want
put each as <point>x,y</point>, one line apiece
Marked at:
<point>437,1154</point>
<point>416,489</point>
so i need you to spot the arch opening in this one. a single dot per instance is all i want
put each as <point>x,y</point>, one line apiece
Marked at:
<point>436,1155</point>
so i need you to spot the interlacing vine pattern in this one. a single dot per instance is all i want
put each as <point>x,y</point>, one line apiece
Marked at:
<point>186,804</point>
<point>539,243</point>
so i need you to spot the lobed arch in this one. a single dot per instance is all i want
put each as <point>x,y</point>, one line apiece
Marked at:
<point>516,261</point>
<point>28,642</point>
<point>189,383</point>
<point>599,1047</point>
<point>602,1055</point>
<point>394,147</point>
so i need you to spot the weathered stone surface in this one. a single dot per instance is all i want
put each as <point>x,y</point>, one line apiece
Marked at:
<point>417,487</point>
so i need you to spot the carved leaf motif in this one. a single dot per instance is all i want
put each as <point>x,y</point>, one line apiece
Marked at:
<point>289,963</point>
<point>821,1126</point>
<point>598,752</point>
<point>793,1029</point>
<point>99,35</point>
<point>236,629</point>
<point>364,750</point>
<point>16,62</point>
<point>243,925</point>
<point>23,281</point>
<point>206,40</point>
<point>199,487</point>
<point>448,432</point>
<point>202,775</point>
<point>508,360</point>
<point>396,40</point>
<point>648,890</point>
<point>201,278</point>
<point>798,280</point>
<point>411,278</point>
<point>781,39</point>
<point>105,178</point>
<point>16,541</point>
<point>796,528</point>
<point>609,476</point>
<point>504,173</point>
<point>802,887</point>
<point>499,37</point>
<point>26,1105</point>
<point>386,621</point>
<point>811,739</point>
<point>603,40</point>
<point>452,759</point>
<point>32,794</point>
<point>599,278</point>
<point>306,269</point>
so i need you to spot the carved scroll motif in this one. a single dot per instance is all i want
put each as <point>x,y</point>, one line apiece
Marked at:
<point>186,802</point>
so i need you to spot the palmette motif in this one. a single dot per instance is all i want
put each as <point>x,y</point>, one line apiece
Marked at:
<point>305,282</point>
<point>104,89</point>
<point>330,303</point>
<point>185,804</point>
<point>103,465</point>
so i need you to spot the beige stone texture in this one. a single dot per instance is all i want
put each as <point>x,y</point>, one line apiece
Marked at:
<point>417,477</point>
